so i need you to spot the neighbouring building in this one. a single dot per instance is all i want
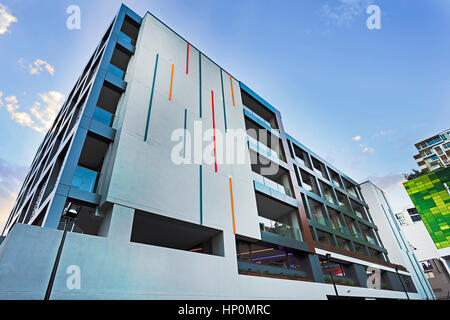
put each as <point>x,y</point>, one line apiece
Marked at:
<point>400,250</point>
<point>433,152</point>
<point>435,267</point>
<point>149,222</point>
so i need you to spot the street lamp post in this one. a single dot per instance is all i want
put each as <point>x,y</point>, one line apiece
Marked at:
<point>328,255</point>
<point>404,289</point>
<point>69,214</point>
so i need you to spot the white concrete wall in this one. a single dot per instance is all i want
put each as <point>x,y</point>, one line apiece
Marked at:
<point>394,241</point>
<point>113,268</point>
<point>143,175</point>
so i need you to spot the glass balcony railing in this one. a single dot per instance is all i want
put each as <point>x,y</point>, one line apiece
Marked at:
<point>84,179</point>
<point>271,184</point>
<point>116,71</point>
<point>103,116</point>
<point>336,182</point>
<point>329,197</point>
<point>263,149</point>
<point>127,38</point>
<point>258,117</point>
<point>279,228</point>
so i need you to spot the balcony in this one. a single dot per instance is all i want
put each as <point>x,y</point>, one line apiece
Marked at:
<point>280,229</point>
<point>257,117</point>
<point>103,116</point>
<point>263,259</point>
<point>262,149</point>
<point>84,179</point>
<point>127,38</point>
<point>116,71</point>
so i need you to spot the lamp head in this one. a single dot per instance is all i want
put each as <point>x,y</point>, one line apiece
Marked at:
<point>71,211</point>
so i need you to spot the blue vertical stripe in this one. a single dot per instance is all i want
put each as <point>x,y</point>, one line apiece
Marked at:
<point>201,196</point>
<point>200,80</point>
<point>151,98</point>
<point>184,139</point>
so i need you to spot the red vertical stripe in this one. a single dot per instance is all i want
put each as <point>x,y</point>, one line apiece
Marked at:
<point>214,130</point>
<point>187,59</point>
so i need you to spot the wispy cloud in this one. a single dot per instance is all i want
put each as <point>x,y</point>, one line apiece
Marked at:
<point>52,103</point>
<point>365,148</point>
<point>41,114</point>
<point>11,177</point>
<point>345,11</point>
<point>6,19</point>
<point>386,132</point>
<point>40,65</point>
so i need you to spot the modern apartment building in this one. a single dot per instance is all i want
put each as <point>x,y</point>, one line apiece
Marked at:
<point>431,197</point>
<point>136,159</point>
<point>435,267</point>
<point>433,152</point>
<point>400,250</point>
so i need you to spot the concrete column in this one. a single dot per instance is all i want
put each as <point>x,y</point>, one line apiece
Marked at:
<point>316,269</point>
<point>118,223</point>
<point>360,274</point>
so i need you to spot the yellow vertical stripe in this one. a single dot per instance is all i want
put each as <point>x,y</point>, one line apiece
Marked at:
<point>232,206</point>
<point>232,91</point>
<point>171,83</point>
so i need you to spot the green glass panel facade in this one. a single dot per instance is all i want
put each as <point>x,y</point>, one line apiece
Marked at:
<point>432,199</point>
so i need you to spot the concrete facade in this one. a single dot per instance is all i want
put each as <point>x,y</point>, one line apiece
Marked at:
<point>400,250</point>
<point>149,228</point>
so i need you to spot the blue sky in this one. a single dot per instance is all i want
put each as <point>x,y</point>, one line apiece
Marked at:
<point>331,77</point>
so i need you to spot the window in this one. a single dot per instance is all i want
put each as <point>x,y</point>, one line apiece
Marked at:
<point>377,254</point>
<point>343,243</point>
<point>302,157</point>
<point>351,189</point>
<point>325,238</point>
<point>368,234</point>
<point>327,192</point>
<point>332,267</point>
<point>317,212</point>
<point>335,219</point>
<point>267,260</point>
<point>343,201</point>
<point>309,182</point>
<point>359,210</point>
<point>360,249</point>
<point>351,225</point>
<point>335,179</point>
<point>319,168</point>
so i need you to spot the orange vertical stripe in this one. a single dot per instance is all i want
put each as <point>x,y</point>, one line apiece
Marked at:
<point>214,130</point>
<point>232,91</point>
<point>232,206</point>
<point>171,83</point>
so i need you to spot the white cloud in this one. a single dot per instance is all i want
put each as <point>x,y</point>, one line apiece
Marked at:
<point>11,177</point>
<point>365,148</point>
<point>53,101</point>
<point>6,19</point>
<point>368,149</point>
<point>44,111</point>
<point>356,138</point>
<point>345,11</point>
<point>39,65</point>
